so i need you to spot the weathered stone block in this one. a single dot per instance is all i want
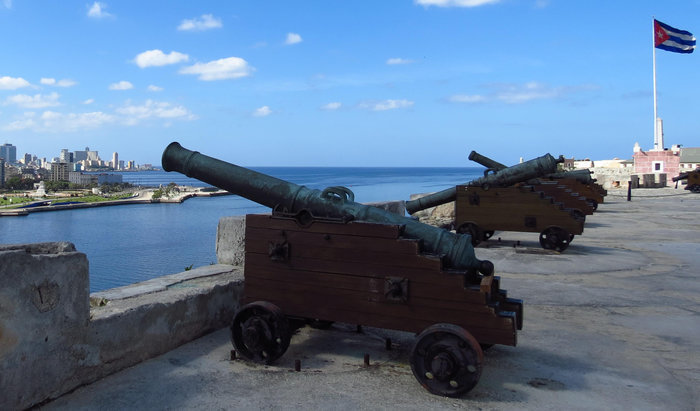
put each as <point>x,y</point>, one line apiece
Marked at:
<point>230,240</point>
<point>44,312</point>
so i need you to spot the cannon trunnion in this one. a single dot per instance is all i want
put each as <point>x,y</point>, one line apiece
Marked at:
<point>366,273</point>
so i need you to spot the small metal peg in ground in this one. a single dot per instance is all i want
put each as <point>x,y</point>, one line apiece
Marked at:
<point>233,355</point>
<point>297,365</point>
<point>366,360</point>
<point>359,328</point>
<point>629,190</point>
<point>388,344</point>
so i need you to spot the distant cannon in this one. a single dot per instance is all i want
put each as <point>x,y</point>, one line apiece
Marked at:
<point>536,167</point>
<point>692,178</point>
<point>583,176</point>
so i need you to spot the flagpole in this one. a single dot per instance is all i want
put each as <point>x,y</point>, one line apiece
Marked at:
<point>653,51</point>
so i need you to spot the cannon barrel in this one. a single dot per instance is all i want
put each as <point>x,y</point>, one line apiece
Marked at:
<point>508,176</point>
<point>583,176</point>
<point>486,162</point>
<point>337,202</point>
<point>681,176</point>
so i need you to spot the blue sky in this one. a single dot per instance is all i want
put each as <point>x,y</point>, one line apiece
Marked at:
<point>344,83</point>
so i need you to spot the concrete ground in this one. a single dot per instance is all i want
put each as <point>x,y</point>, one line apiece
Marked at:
<point>611,323</point>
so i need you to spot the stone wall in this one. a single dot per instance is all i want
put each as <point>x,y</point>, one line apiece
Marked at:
<point>52,341</point>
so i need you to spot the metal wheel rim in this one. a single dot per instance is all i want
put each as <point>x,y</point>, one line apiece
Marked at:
<point>555,238</point>
<point>260,332</point>
<point>447,360</point>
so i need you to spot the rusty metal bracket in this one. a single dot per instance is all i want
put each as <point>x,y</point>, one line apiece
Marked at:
<point>396,289</point>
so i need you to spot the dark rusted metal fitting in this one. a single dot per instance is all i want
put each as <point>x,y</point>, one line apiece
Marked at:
<point>359,328</point>
<point>297,365</point>
<point>388,344</point>
<point>233,355</point>
<point>366,360</point>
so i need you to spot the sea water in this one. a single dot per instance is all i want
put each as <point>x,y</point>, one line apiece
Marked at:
<point>131,243</point>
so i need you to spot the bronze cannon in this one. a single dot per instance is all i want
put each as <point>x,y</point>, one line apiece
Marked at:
<point>536,167</point>
<point>321,258</point>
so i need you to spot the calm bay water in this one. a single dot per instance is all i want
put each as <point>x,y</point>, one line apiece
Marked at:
<point>131,243</point>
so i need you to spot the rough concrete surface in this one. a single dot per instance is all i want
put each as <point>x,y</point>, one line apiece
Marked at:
<point>611,323</point>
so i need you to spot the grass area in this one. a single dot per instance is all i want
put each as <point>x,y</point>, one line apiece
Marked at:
<point>92,199</point>
<point>5,200</point>
<point>20,201</point>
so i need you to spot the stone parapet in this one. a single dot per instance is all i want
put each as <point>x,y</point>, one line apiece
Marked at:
<point>52,341</point>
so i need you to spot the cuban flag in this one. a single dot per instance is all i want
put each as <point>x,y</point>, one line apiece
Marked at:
<point>671,39</point>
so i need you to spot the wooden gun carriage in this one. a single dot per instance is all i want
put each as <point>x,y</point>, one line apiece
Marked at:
<point>480,212</point>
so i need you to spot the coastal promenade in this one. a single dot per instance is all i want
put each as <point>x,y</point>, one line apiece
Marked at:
<point>142,196</point>
<point>611,323</point>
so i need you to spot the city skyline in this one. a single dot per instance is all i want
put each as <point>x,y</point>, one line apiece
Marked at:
<point>50,158</point>
<point>395,83</point>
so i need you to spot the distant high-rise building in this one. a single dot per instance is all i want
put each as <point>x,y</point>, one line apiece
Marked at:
<point>121,164</point>
<point>60,172</point>
<point>80,155</point>
<point>66,156</point>
<point>2,172</point>
<point>27,158</point>
<point>115,160</point>
<point>9,153</point>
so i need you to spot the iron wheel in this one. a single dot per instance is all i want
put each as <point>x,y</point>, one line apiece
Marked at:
<point>555,238</point>
<point>446,360</point>
<point>260,332</point>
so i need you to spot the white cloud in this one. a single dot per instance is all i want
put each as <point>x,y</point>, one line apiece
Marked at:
<point>206,22</point>
<point>66,83</point>
<point>132,114</point>
<point>331,106</point>
<point>122,85</point>
<point>96,11</point>
<point>540,4</point>
<point>74,121</point>
<point>13,83</point>
<point>156,57</point>
<point>262,111</point>
<point>454,3</point>
<point>398,60</point>
<point>61,83</point>
<point>465,98</point>
<point>510,93</point>
<point>226,68</point>
<point>54,122</point>
<point>35,101</point>
<point>515,93</point>
<point>89,101</point>
<point>129,114</point>
<point>21,124</point>
<point>151,87</point>
<point>386,105</point>
<point>293,38</point>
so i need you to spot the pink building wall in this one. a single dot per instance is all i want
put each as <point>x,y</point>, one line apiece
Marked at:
<point>644,162</point>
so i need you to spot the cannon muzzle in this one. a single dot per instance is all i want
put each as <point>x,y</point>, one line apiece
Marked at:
<point>486,162</point>
<point>536,167</point>
<point>334,202</point>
